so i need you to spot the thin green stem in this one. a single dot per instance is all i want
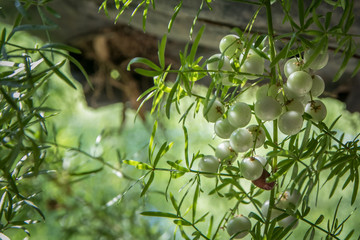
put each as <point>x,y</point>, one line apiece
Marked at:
<point>99,159</point>
<point>193,225</point>
<point>196,172</point>
<point>275,140</point>
<point>271,39</point>
<point>330,135</point>
<point>273,80</point>
<point>319,228</point>
<point>249,197</point>
<point>268,216</point>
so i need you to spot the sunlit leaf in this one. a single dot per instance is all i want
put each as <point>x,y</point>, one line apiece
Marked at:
<point>145,12</point>
<point>138,165</point>
<point>57,71</point>
<point>182,222</point>
<point>144,61</point>
<point>147,73</point>
<point>177,166</point>
<point>195,45</point>
<point>161,52</point>
<point>148,183</point>
<point>176,11</point>
<point>159,214</point>
<point>163,149</point>
<point>61,46</point>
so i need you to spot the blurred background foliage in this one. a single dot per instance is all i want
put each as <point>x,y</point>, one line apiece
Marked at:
<point>80,192</point>
<point>89,194</point>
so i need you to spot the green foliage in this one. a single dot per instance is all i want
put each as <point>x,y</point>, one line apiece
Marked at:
<point>98,182</point>
<point>24,72</point>
<point>316,158</point>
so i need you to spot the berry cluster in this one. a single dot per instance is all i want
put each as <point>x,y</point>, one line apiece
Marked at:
<point>287,202</point>
<point>286,102</point>
<point>239,226</point>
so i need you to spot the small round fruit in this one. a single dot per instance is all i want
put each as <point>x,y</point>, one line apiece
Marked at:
<point>318,86</point>
<point>300,82</point>
<point>289,199</point>
<point>213,62</point>
<point>304,100</point>
<point>258,135</point>
<point>294,105</point>
<point>223,128</point>
<point>218,62</point>
<point>293,65</point>
<point>251,168</point>
<point>225,153</point>
<point>265,209</point>
<point>241,140</point>
<point>225,80</point>
<point>290,94</point>
<point>262,91</point>
<point>319,62</point>
<point>285,222</point>
<point>215,112</point>
<point>239,115</point>
<point>317,110</point>
<point>239,225</point>
<point>230,45</point>
<point>253,64</point>
<point>261,159</point>
<point>273,91</point>
<point>209,163</point>
<point>267,108</point>
<point>290,122</point>
<point>267,90</point>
